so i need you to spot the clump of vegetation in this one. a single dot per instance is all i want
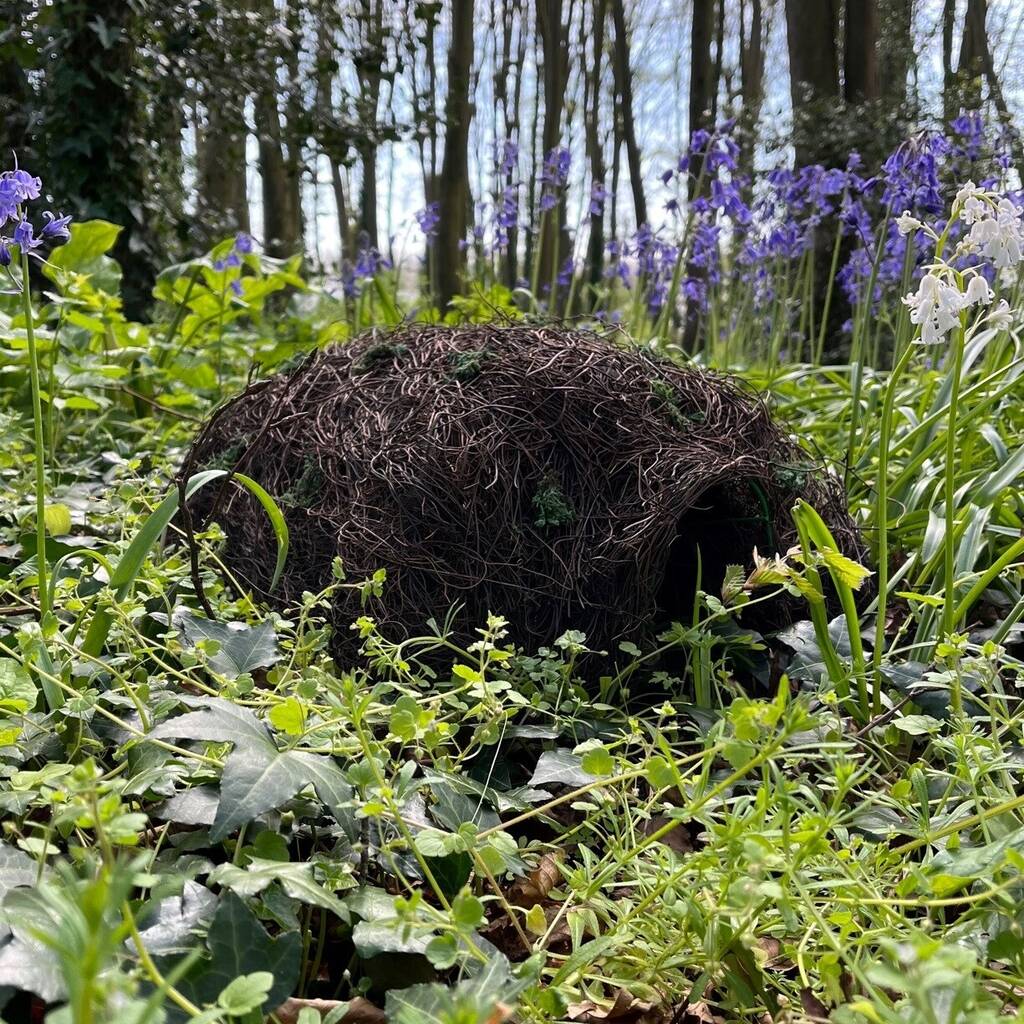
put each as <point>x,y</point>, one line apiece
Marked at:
<point>378,354</point>
<point>467,365</point>
<point>552,507</point>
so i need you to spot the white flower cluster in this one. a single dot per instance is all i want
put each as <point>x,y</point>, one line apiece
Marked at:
<point>944,294</point>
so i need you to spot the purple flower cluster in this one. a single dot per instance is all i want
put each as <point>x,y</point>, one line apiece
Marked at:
<point>369,262</point>
<point>233,261</point>
<point>554,176</point>
<point>428,219</point>
<point>18,188</point>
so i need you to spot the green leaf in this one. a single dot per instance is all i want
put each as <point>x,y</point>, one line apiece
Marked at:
<point>17,691</point>
<point>242,648</point>
<point>296,879</point>
<point>238,944</point>
<point>467,911</point>
<point>852,573</point>
<point>130,565</point>
<point>246,993</point>
<point>598,761</point>
<point>257,777</point>
<point>561,766</point>
<point>57,519</point>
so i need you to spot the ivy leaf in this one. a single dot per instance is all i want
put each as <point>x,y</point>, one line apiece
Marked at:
<point>17,691</point>
<point>561,766</point>
<point>247,993</point>
<point>178,918</point>
<point>239,945</point>
<point>296,879</point>
<point>470,999</point>
<point>242,648</point>
<point>257,777</point>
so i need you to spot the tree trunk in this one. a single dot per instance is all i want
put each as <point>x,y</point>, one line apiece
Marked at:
<point>751,80</point>
<point>949,103</point>
<point>369,62</point>
<point>282,217</point>
<point>595,150</point>
<point>860,53</point>
<point>896,55</point>
<point>811,30</point>
<point>973,46</point>
<point>454,180</point>
<point>624,87</point>
<point>555,49</point>
<point>702,78</point>
<point>90,156</point>
<point>220,156</point>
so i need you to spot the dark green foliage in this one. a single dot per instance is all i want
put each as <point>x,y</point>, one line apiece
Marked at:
<point>467,365</point>
<point>384,352</point>
<point>551,505</point>
<point>306,490</point>
<point>663,390</point>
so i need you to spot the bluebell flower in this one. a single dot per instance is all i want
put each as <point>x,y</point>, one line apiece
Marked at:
<point>236,287</point>
<point>233,260</point>
<point>5,252</point>
<point>428,219</point>
<point>509,158</point>
<point>27,186</point>
<point>243,243</point>
<point>25,238</point>
<point>56,228</point>
<point>219,265</point>
<point>598,195</point>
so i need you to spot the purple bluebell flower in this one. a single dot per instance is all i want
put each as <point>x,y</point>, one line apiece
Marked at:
<point>236,287</point>
<point>598,195</point>
<point>243,243</point>
<point>56,228</point>
<point>24,237</point>
<point>219,265</point>
<point>5,252</point>
<point>27,186</point>
<point>509,159</point>
<point>233,259</point>
<point>428,219</point>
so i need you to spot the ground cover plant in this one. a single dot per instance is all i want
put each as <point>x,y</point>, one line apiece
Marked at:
<point>207,817</point>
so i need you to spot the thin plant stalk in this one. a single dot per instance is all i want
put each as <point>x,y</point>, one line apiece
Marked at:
<point>40,448</point>
<point>949,487</point>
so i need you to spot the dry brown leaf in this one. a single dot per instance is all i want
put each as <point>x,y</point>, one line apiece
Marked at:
<point>529,891</point>
<point>814,1008</point>
<point>360,1011</point>
<point>625,1010</point>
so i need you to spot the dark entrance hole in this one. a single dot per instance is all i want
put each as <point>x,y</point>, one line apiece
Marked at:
<point>720,529</point>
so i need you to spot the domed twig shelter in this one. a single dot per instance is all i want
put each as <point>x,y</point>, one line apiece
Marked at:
<point>552,475</point>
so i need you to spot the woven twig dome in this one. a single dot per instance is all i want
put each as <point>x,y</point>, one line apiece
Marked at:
<point>552,475</point>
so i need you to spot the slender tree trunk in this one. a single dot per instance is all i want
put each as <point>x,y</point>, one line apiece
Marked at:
<point>703,83</point>
<point>369,62</point>
<point>624,87</point>
<point>980,56</point>
<point>949,102</point>
<point>751,80</point>
<point>860,53</point>
<point>554,40</point>
<point>221,165</point>
<point>811,29</point>
<point>282,226</point>
<point>454,181</point>
<point>973,45</point>
<point>595,149</point>
<point>896,54</point>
